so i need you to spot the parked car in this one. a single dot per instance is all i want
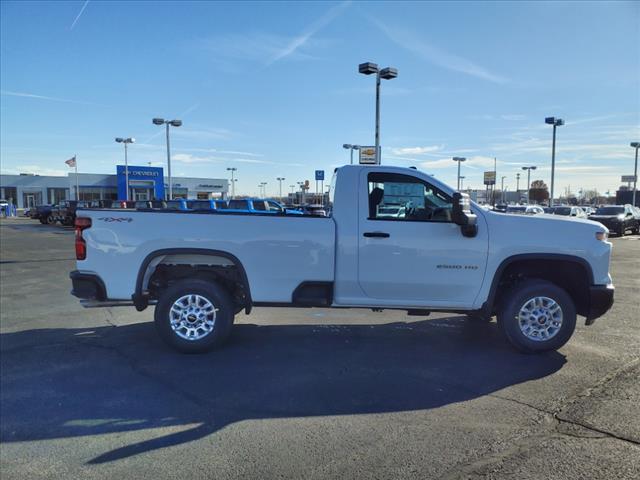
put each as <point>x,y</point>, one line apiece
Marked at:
<point>525,209</point>
<point>41,212</point>
<point>391,211</point>
<point>568,211</point>
<point>277,207</point>
<point>617,218</point>
<point>201,205</point>
<point>176,204</point>
<point>66,211</point>
<point>316,210</point>
<point>588,210</point>
<point>469,260</point>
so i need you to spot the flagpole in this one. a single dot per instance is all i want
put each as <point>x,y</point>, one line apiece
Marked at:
<point>77,187</point>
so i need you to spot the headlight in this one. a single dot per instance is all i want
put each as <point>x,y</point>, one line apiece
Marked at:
<point>620,217</point>
<point>602,236</point>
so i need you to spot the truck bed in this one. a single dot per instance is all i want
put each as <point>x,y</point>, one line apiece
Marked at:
<point>282,251</point>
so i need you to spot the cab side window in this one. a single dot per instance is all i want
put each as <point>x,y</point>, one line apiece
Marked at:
<point>397,197</point>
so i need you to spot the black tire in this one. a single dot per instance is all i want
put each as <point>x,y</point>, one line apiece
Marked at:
<point>211,292</point>
<point>621,230</point>
<point>517,297</point>
<point>50,220</point>
<point>43,221</point>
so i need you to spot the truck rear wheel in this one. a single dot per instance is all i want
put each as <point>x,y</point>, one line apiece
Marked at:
<point>537,316</point>
<point>194,316</point>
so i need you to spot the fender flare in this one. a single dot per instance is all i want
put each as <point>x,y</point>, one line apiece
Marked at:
<point>141,301</point>
<point>488,305</point>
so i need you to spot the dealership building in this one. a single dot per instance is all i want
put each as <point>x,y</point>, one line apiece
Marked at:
<point>145,183</point>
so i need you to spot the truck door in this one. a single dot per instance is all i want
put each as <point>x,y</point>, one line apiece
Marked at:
<point>410,252</point>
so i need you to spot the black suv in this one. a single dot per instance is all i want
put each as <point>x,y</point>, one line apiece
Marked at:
<point>617,218</point>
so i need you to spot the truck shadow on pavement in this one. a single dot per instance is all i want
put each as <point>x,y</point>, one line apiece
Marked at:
<point>62,383</point>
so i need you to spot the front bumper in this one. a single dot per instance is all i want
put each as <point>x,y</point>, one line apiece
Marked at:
<point>600,301</point>
<point>87,286</point>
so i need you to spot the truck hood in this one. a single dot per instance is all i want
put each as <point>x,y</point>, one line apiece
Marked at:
<point>544,224</point>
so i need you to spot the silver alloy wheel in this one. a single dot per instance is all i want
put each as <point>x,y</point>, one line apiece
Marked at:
<point>540,318</point>
<point>192,317</point>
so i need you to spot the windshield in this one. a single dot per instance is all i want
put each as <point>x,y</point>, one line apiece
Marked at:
<point>516,209</point>
<point>610,210</point>
<point>562,211</point>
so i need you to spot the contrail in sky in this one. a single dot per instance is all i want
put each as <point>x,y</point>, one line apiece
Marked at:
<point>79,14</point>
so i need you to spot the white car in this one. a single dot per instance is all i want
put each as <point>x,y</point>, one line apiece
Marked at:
<point>525,209</point>
<point>443,253</point>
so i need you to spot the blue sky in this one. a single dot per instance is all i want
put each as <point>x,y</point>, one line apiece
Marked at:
<point>273,90</point>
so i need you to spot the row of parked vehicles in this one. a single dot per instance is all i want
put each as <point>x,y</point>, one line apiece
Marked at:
<point>619,219</point>
<point>65,212</point>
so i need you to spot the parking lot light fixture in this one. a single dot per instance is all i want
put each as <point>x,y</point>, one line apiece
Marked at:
<point>528,169</point>
<point>233,180</point>
<point>348,146</point>
<point>280,180</point>
<point>556,122</point>
<point>167,123</point>
<point>459,160</point>
<point>635,145</point>
<point>387,73</point>
<point>126,141</point>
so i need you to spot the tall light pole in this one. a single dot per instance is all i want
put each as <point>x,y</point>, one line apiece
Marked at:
<point>556,122</point>
<point>459,160</point>
<point>264,189</point>
<point>126,141</point>
<point>348,146</point>
<point>528,169</point>
<point>461,182</point>
<point>233,181</point>
<point>518,182</point>
<point>502,188</point>
<point>387,73</point>
<point>635,145</point>
<point>173,123</point>
<point>280,180</point>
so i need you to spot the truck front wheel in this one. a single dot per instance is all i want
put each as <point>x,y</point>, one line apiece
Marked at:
<point>537,316</point>
<point>194,316</point>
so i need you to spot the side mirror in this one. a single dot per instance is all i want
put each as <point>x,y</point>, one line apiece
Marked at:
<point>461,215</point>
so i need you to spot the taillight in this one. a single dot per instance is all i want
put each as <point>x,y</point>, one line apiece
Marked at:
<point>82,223</point>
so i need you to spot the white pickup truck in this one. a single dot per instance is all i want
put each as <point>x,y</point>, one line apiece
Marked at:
<point>438,252</point>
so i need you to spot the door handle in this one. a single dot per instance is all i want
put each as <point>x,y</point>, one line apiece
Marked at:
<point>376,234</point>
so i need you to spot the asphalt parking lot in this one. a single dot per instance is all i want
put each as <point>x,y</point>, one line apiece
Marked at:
<point>304,393</point>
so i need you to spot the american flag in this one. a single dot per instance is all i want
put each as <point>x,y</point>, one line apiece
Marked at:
<point>71,162</point>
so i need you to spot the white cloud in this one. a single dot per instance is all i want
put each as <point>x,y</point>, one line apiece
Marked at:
<point>471,162</point>
<point>44,97</point>
<point>414,43</point>
<point>204,134</point>
<point>416,150</point>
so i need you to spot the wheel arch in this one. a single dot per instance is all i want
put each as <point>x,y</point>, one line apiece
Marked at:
<point>572,273</point>
<point>147,268</point>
